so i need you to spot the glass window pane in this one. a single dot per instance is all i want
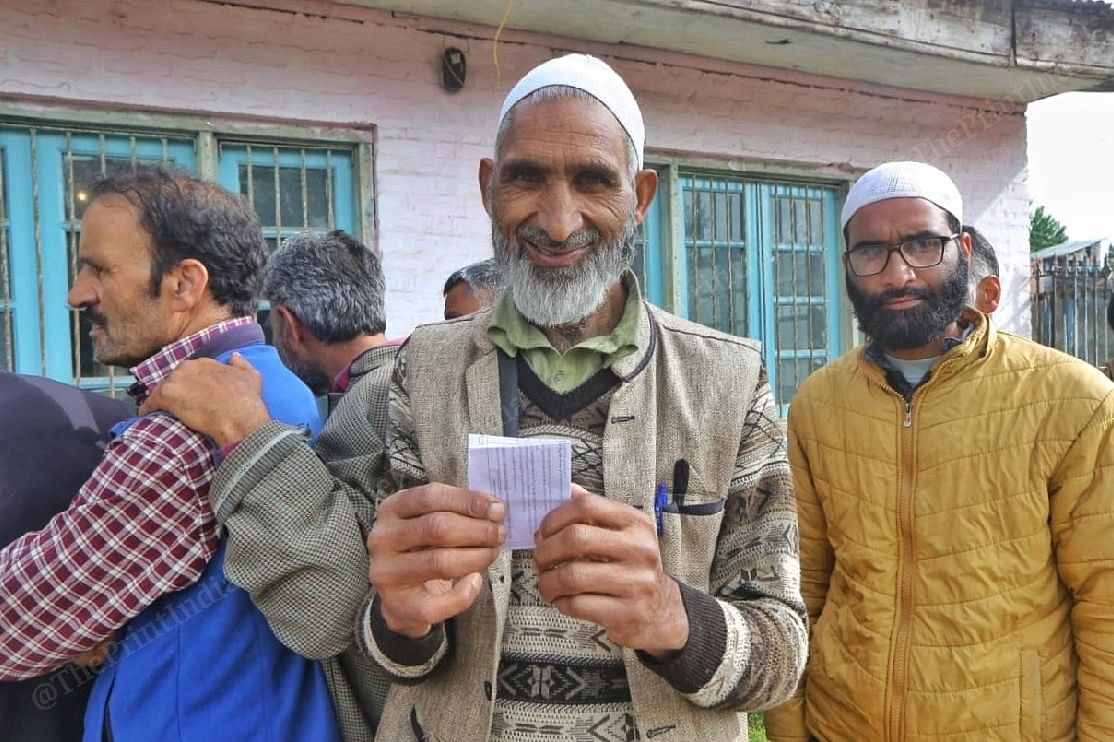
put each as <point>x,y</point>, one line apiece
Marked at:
<point>737,213</point>
<point>687,211</point>
<point>799,274</point>
<point>716,252</point>
<point>703,225</point>
<point>802,327</point>
<point>85,171</point>
<point>257,183</point>
<point>317,191</point>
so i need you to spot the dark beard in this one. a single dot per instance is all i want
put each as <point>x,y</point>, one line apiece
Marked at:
<point>907,329</point>
<point>318,382</point>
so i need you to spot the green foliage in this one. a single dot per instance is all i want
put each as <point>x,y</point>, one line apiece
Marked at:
<point>1045,231</point>
<point>756,727</point>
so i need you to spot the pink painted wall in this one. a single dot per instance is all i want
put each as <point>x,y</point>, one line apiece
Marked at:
<point>352,67</point>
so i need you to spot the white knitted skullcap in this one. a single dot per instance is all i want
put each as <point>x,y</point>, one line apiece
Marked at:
<point>903,180</point>
<point>593,76</point>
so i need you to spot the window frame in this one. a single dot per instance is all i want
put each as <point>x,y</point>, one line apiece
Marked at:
<point>209,130</point>
<point>36,347</point>
<point>671,292</point>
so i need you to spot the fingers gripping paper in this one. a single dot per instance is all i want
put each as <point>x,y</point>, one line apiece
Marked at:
<point>531,475</point>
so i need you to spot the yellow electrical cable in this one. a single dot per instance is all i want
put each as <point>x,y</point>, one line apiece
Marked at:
<point>495,41</point>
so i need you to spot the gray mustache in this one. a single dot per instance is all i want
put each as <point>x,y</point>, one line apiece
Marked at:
<point>575,241</point>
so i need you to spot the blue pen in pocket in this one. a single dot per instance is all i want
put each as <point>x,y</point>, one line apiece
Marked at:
<point>661,502</point>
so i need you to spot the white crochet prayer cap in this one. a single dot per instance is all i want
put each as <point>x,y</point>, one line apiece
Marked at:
<point>593,76</point>
<point>903,180</point>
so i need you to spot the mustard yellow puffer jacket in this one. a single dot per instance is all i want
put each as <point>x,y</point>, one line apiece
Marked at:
<point>957,553</point>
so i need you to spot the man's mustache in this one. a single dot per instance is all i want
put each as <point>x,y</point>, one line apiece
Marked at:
<point>94,317</point>
<point>892,294</point>
<point>575,241</point>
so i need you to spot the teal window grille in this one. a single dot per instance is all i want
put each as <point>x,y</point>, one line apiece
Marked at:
<point>291,188</point>
<point>45,171</point>
<point>752,257</point>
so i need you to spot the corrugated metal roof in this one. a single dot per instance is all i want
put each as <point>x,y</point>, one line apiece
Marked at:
<point>1098,247</point>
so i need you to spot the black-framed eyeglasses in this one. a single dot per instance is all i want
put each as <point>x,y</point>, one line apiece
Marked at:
<point>871,258</point>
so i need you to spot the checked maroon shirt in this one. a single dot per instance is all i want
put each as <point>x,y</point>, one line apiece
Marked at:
<point>140,527</point>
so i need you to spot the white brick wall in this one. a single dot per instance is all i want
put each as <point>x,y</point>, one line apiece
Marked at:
<point>370,69</point>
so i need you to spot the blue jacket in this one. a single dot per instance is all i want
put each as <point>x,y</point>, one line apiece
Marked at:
<point>202,664</point>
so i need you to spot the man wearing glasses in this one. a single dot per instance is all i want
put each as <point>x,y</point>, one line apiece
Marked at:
<point>955,492</point>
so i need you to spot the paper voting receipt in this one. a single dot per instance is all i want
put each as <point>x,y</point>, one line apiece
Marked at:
<point>531,475</point>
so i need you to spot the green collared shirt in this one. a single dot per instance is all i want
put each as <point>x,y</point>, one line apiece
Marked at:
<point>563,372</point>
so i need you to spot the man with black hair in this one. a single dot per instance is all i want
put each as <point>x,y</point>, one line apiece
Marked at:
<point>955,495</point>
<point>171,268</point>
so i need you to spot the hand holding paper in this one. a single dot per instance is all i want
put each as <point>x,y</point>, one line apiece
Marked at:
<point>429,547</point>
<point>532,476</point>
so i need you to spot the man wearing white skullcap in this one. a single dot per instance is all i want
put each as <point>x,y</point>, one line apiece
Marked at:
<point>659,600</point>
<point>955,488</point>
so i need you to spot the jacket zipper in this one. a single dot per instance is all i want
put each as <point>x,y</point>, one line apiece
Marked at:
<point>907,541</point>
<point>900,659</point>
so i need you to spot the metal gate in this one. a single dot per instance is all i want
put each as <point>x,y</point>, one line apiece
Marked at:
<point>1069,308</point>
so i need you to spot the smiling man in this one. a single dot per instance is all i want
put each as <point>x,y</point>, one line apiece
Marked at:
<point>607,630</point>
<point>955,489</point>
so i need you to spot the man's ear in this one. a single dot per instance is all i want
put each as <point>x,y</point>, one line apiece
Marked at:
<point>645,187</point>
<point>487,170</point>
<point>965,243</point>
<point>188,284</point>
<point>291,326</point>
<point>989,294</point>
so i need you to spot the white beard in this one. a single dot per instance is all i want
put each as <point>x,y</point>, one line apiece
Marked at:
<point>555,297</point>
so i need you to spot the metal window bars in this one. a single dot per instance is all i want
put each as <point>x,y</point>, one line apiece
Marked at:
<point>718,255</point>
<point>1070,297</point>
<point>757,255</point>
<point>799,285</point>
<point>291,187</point>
